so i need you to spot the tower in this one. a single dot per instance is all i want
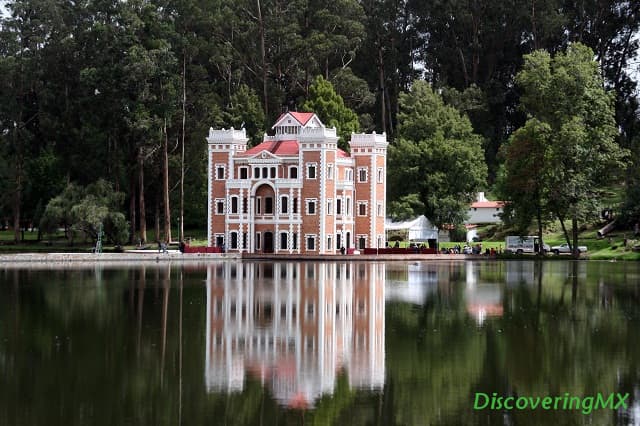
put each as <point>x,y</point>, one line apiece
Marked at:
<point>223,146</point>
<point>370,154</point>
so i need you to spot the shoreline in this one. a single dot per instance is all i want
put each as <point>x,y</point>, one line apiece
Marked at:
<point>152,256</point>
<point>175,255</point>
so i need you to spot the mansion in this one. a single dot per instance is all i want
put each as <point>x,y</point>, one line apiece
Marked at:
<point>296,192</point>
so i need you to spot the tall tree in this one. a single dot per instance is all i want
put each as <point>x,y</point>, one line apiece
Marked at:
<point>329,106</point>
<point>437,160</point>
<point>523,183</point>
<point>567,94</point>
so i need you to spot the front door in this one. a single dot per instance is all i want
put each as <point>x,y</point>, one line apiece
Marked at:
<point>268,242</point>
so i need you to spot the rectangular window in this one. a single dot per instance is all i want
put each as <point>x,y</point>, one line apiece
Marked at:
<point>362,209</point>
<point>379,207</point>
<point>234,205</point>
<point>339,206</point>
<point>311,207</point>
<point>284,205</point>
<point>362,175</point>
<point>329,241</point>
<point>243,173</point>
<point>330,171</point>
<point>245,205</point>
<point>294,241</point>
<point>311,243</point>
<point>234,240</point>
<point>265,173</point>
<point>295,206</point>
<point>380,175</point>
<point>219,206</point>
<point>329,207</point>
<point>256,173</point>
<point>273,173</point>
<point>268,205</point>
<point>311,171</point>
<point>244,240</point>
<point>258,241</point>
<point>258,205</point>
<point>283,240</point>
<point>293,173</point>
<point>220,172</point>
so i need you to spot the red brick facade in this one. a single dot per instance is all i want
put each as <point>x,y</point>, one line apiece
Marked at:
<point>296,192</point>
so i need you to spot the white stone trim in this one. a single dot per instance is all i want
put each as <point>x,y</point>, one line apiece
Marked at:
<point>209,196</point>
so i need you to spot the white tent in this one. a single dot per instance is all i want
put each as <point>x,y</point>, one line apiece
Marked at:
<point>418,229</point>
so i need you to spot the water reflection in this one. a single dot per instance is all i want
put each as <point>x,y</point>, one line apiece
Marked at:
<point>294,327</point>
<point>304,343</point>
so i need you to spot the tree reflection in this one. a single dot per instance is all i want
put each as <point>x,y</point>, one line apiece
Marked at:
<point>138,345</point>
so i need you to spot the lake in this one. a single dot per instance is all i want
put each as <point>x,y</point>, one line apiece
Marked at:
<point>396,343</point>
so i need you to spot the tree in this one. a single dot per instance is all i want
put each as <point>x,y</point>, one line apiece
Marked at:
<point>437,162</point>
<point>85,210</point>
<point>329,106</point>
<point>245,111</point>
<point>522,182</point>
<point>566,94</point>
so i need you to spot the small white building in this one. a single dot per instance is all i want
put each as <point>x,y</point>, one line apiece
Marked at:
<point>485,211</point>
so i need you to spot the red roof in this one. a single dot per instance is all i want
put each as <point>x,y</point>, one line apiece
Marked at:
<point>487,204</point>
<point>302,117</point>
<point>281,148</point>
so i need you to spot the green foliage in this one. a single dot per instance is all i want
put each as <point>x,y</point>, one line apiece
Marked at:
<point>246,111</point>
<point>522,183</point>
<point>86,210</point>
<point>436,163</point>
<point>570,136</point>
<point>330,107</point>
<point>88,86</point>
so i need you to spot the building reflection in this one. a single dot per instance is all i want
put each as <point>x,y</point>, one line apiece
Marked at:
<point>294,327</point>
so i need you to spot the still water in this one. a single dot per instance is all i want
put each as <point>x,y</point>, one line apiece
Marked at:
<point>317,343</point>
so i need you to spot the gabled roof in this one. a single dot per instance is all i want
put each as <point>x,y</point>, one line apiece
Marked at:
<point>487,204</point>
<point>282,148</point>
<point>301,117</point>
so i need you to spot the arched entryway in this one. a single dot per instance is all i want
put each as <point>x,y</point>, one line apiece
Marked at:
<point>268,242</point>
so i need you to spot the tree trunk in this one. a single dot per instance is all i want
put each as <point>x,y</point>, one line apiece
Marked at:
<point>540,241</point>
<point>264,60</point>
<point>165,183</point>
<point>574,232</point>
<point>383,104</point>
<point>17,201</point>
<point>184,118</point>
<point>566,233</point>
<point>132,207</point>
<point>141,204</point>
<point>157,219</point>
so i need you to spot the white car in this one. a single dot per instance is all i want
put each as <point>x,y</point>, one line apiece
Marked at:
<point>564,248</point>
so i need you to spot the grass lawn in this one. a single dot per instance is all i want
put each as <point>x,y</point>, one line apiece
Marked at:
<point>59,244</point>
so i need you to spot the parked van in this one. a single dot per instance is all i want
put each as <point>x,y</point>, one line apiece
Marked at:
<point>527,244</point>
